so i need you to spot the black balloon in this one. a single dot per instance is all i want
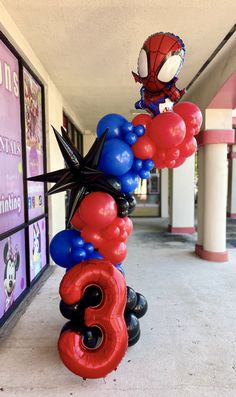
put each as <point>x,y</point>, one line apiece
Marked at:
<point>132,324</point>
<point>72,312</point>
<point>132,203</point>
<point>71,326</point>
<point>92,296</point>
<point>114,182</point>
<point>92,337</point>
<point>131,299</point>
<point>122,207</point>
<point>141,307</point>
<point>134,340</point>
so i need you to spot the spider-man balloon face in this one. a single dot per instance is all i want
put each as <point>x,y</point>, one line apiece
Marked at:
<point>160,61</point>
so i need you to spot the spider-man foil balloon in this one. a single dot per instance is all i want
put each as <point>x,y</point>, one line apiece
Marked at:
<point>159,63</point>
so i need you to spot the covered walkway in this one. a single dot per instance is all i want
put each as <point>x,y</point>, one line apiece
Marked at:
<point>188,342</point>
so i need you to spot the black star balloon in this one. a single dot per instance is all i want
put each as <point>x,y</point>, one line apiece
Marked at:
<point>81,175</point>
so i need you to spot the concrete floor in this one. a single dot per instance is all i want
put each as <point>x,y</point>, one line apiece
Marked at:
<point>188,342</point>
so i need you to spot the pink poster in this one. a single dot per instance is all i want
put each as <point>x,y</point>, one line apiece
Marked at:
<point>11,187</point>
<point>12,270</point>
<point>34,143</point>
<point>37,246</point>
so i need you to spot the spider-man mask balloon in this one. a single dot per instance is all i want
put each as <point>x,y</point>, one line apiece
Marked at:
<point>160,61</point>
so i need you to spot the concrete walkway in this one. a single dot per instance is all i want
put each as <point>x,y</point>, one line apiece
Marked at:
<point>188,342</point>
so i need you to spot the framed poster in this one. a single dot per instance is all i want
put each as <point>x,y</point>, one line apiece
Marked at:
<point>37,247</point>
<point>11,186</point>
<point>34,143</point>
<point>12,270</point>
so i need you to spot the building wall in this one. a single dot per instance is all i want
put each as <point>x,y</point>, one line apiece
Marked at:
<point>54,104</point>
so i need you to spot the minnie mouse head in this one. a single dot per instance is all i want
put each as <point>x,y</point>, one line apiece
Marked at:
<point>12,262</point>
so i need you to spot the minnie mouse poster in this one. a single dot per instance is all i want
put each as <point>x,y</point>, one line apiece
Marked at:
<point>12,261</point>
<point>36,260</point>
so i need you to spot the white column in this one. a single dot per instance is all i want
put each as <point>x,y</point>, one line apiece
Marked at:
<point>164,193</point>
<point>215,194</point>
<point>200,198</point>
<point>182,198</point>
<point>213,198</point>
<point>231,210</point>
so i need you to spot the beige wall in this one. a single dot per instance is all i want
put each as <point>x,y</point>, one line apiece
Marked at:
<point>54,103</point>
<point>88,141</point>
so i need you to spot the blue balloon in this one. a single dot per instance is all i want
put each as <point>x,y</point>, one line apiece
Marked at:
<point>120,268</point>
<point>89,248</point>
<point>78,255</point>
<point>129,182</point>
<point>139,130</point>
<point>127,127</point>
<point>137,165</point>
<point>94,255</point>
<point>130,138</point>
<point>61,247</point>
<point>144,174</point>
<point>113,122</point>
<point>148,165</point>
<point>116,158</point>
<point>77,242</point>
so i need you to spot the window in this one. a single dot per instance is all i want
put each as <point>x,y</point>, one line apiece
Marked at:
<point>23,208</point>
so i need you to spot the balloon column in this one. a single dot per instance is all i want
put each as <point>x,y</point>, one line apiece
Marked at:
<point>103,312</point>
<point>104,318</point>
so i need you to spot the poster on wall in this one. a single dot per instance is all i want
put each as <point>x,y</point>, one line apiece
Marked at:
<point>37,244</point>
<point>34,143</point>
<point>11,187</point>
<point>12,270</point>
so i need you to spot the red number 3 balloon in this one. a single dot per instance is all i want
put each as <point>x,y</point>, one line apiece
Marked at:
<point>108,316</point>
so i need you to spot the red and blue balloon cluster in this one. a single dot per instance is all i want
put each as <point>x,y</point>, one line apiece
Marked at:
<point>117,158</point>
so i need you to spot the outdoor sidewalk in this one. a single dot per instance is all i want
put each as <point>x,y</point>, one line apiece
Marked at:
<point>188,342</point>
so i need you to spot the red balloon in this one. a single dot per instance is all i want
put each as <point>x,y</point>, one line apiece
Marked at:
<point>158,162</point>
<point>119,222</point>
<point>76,221</point>
<point>191,114</point>
<point>144,148</point>
<point>111,232</point>
<point>108,316</point>
<point>179,161</point>
<point>172,154</point>
<point>114,251</point>
<point>188,147</point>
<point>123,236</point>
<point>160,155</point>
<point>98,210</point>
<point>167,130</point>
<point>93,236</point>
<point>128,225</point>
<point>143,119</point>
<point>170,163</point>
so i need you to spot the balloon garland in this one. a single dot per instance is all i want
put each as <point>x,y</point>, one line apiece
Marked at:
<point>103,312</point>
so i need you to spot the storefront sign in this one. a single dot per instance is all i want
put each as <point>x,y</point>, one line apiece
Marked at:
<point>11,187</point>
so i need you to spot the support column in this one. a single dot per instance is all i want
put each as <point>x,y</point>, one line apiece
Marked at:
<point>164,193</point>
<point>212,239</point>
<point>200,198</point>
<point>231,209</point>
<point>182,198</point>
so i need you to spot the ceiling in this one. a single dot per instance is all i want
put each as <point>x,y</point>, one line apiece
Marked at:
<point>90,47</point>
